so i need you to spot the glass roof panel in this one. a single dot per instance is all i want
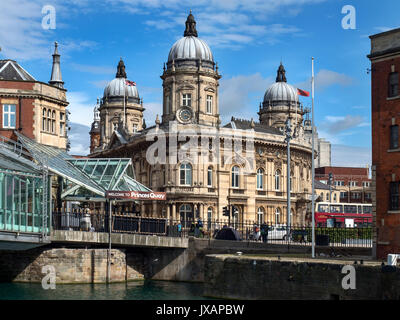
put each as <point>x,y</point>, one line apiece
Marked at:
<point>93,175</point>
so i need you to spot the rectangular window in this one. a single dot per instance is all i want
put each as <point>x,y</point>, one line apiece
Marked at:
<point>394,137</point>
<point>187,100</point>
<point>394,196</point>
<point>393,84</point>
<point>209,177</point>
<point>356,195</point>
<point>353,183</point>
<point>209,104</point>
<point>9,116</point>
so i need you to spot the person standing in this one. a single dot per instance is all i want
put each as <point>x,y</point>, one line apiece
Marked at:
<point>264,232</point>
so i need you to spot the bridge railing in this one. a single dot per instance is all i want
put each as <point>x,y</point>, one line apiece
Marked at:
<point>245,230</point>
<point>99,222</point>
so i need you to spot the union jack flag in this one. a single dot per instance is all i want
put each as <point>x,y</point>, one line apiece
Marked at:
<point>130,83</point>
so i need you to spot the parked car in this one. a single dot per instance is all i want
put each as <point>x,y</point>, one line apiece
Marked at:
<point>277,232</point>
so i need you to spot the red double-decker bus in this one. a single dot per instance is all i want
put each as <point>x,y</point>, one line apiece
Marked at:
<point>343,215</point>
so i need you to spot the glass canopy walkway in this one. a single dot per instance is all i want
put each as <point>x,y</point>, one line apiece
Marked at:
<point>27,170</point>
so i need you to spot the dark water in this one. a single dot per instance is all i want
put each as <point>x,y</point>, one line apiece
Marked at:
<point>137,290</point>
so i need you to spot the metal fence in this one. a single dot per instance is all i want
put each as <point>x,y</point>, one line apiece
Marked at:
<point>216,229</point>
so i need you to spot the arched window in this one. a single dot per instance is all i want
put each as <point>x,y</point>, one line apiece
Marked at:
<point>327,197</point>
<point>260,179</point>
<point>209,177</point>
<point>53,122</point>
<point>260,215</point>
<point>277,180</point>
<point>277,216</point>
<point>235,177</point>
<point>44,121</point>
<point>48,120</point>
<point>186,174</point>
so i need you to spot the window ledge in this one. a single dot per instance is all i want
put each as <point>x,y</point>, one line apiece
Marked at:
<point>393,98</point>
<point>394,150</point>
<point>393,211</point>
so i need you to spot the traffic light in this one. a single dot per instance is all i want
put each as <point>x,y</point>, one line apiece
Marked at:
<point>225,211</point>
<point>330,179</point>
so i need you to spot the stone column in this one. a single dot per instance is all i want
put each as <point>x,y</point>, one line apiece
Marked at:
<point>168,212</point>
<point>174,212</point>
<point>154,214</point>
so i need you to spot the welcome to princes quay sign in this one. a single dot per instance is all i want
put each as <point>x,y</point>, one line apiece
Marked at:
<point>136,195</point>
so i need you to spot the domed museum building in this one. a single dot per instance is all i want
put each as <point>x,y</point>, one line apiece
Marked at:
<point>241,164</point>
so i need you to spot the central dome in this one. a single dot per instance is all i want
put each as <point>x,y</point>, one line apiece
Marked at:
<point>190,47</point>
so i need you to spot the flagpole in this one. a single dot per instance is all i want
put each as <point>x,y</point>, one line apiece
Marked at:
<point>124,104</point>
<point>312,162</point>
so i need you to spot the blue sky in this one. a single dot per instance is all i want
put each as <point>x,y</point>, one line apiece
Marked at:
<point>248,39</point>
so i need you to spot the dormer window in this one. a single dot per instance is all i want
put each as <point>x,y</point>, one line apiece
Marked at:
<point>187,100</point>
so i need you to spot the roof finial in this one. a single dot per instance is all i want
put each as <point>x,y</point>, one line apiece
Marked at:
<point>121,69</point>
<point>190,30</point>
<point>56,78</point>
<point>281,76</point>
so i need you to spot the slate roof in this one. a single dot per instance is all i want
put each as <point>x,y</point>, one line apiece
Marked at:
<point>246,125</point>
<point>320,185</point>
<point>11,70</point>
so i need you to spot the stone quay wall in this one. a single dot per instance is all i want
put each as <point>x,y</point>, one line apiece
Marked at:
<point>246,277</point>
<point>71,265</point>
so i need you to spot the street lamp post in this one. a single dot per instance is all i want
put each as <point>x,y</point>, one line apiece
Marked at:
<point>289,137</point>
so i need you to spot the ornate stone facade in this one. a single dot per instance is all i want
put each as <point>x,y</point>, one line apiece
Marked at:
<point>252,180</point>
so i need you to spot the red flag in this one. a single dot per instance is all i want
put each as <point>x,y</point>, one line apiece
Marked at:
<point>130,83</point>
<point>303,93</point>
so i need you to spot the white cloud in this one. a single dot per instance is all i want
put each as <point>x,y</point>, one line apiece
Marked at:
<point>94,69</point>
<point>79,138</point>
<point>235,95</point>
<point>152,109</point>
<point>326,78</point>
<point>22,35</point>
<point>349,156</point>
<point>335,125</point>
<point>81,107</point>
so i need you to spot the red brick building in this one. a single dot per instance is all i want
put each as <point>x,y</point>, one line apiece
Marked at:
<point>385,68</point>
<point>33,108</point>
<point>354,184</point>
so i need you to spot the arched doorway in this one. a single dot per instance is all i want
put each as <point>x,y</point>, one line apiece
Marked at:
<point>186,214</point>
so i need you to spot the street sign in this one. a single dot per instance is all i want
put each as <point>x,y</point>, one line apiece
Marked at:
<point>136,195</point>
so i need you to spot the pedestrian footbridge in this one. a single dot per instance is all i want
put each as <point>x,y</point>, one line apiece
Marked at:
<point>118,239</point>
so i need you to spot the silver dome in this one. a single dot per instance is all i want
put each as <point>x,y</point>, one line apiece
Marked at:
<point>281,91</point>
<point>116,87</point>
<point>190,48</point>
